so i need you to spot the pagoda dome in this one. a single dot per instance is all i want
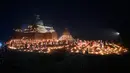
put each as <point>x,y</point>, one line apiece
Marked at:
<point>40,22</point>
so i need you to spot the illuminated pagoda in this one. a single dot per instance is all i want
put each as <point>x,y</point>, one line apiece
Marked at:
<point>36,31</point>
<point>66,36</point>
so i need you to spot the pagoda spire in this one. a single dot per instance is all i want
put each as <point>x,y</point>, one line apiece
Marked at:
<point>37,17</point>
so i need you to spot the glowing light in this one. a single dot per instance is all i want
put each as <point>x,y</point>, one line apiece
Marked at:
<point>117,33</point>
<point>92,47</point>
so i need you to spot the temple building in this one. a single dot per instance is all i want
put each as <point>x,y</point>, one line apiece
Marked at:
<point>36,31</point>
<point>66,36</point>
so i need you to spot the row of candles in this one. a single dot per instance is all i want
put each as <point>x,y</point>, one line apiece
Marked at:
<point>78,46</point>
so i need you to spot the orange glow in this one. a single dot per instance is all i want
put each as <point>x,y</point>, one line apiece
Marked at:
<point>47,46</point>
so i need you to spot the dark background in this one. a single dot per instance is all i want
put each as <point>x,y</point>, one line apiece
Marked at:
<point>84,18</point>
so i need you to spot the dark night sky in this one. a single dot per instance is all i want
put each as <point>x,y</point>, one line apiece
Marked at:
<point>78,16</point>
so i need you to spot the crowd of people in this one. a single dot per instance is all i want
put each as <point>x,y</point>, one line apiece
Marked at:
<point>77,46</point>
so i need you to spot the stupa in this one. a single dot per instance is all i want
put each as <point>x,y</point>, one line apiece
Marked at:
<point>66,36</point>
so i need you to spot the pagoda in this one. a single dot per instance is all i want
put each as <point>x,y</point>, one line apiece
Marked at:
<point>66,36</point>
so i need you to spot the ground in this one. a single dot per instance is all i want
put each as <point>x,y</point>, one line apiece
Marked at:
<point>20,62</point>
